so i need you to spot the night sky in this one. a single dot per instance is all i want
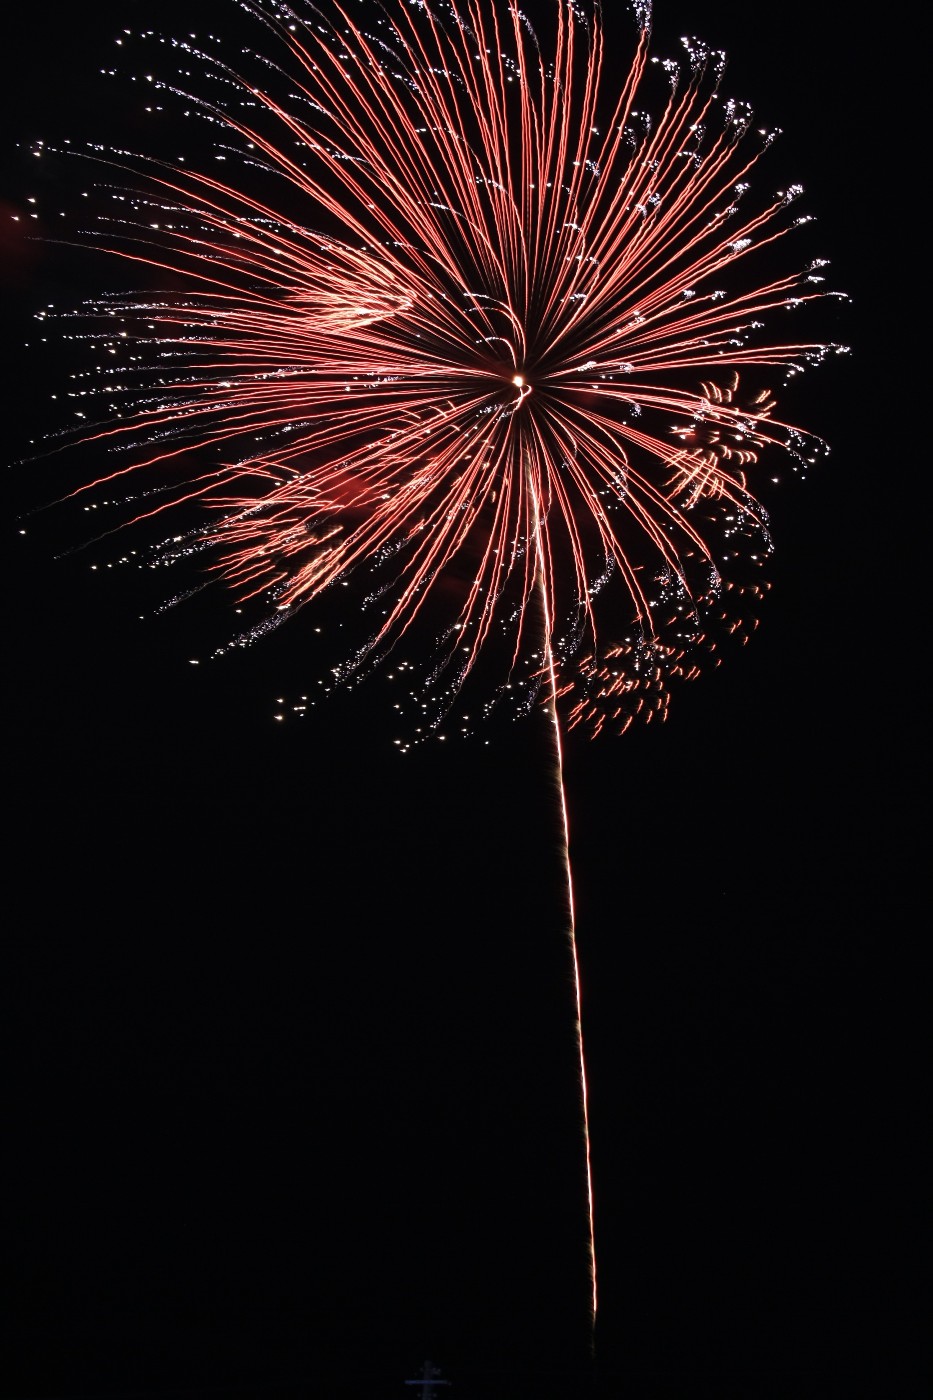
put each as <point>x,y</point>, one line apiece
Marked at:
<point>294,1097</point>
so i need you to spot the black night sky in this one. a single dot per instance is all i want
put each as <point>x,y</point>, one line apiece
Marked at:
<point>293,1088</point>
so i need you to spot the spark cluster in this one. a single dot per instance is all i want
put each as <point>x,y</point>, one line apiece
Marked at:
<point>435,318</point>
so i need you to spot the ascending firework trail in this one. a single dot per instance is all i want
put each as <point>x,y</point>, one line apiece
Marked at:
<point>554,718</point>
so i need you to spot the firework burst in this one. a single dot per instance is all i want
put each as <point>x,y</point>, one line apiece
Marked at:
<point>464,318</point>
<point>470,332</point>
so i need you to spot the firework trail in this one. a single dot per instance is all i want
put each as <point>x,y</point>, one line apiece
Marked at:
<point>568,877</point>
<point>466,328</point>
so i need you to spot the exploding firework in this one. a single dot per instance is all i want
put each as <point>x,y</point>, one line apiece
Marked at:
<point>469,331</point>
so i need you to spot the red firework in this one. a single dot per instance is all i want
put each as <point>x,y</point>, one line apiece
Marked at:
<point>471,329</point>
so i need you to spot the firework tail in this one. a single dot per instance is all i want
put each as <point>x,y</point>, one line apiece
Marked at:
<point>554,722</point>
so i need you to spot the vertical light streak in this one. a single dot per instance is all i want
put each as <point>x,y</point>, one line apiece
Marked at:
<point>551,706</point>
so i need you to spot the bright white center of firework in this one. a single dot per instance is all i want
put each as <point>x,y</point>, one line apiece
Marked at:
<point>519,380</point>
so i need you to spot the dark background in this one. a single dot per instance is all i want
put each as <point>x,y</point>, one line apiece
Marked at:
<point>294,1098</point>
